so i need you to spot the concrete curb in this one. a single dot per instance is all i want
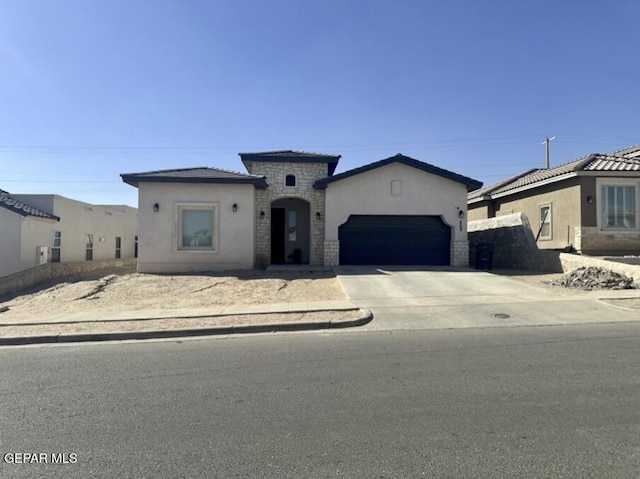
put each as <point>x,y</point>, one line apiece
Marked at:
<point>365,318</point>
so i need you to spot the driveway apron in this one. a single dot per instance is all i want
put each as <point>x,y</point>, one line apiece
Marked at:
<point>448,297</point>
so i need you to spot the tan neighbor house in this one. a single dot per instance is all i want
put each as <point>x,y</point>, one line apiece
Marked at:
<point>591,204</point>
<point>291,208</point>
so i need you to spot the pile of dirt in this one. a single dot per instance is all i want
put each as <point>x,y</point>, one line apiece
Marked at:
<point>594,278</point>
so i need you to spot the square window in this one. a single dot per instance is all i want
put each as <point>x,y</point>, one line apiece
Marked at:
<point>618,207</point>
<point>196,227</point>
<point>290,180</point>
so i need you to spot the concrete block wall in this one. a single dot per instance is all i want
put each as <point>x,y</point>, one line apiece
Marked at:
<point>306,174</point>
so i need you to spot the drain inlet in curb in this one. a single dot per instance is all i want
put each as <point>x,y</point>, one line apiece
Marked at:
<point>500,315</point>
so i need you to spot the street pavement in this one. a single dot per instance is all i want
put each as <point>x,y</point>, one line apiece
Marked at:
<point>543,402</point>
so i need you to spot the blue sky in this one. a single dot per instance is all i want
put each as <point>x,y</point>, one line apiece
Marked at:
<point>92,89</point>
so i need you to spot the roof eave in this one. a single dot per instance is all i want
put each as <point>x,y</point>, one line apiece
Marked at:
<point>548,181</point>
<point>258,182</point>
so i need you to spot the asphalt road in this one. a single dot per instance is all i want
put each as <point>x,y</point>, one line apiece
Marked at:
<point>555,402</point>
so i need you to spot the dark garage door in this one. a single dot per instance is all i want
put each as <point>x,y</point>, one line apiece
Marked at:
<point>401,240</point>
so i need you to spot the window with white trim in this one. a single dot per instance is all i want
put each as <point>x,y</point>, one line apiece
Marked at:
<point>618,207</point>
<point>196,227</point>
<point>545,222</point>
<point>56,244</point>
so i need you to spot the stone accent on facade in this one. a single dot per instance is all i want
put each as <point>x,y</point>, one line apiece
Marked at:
<point>591,241</point>
<point>306,174</point>
<point>459,253</point>
<point>331,253</point>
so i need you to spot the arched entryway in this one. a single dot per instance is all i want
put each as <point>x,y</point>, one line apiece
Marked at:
<point>290,237</point>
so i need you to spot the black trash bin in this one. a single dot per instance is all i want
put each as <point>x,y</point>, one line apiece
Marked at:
<point>484,255</point>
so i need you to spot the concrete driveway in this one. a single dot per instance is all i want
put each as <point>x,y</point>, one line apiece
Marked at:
<point>447,297</point>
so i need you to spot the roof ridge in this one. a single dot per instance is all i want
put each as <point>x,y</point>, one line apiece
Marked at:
<point>225,170</point>
<point>500,184</point>
<point>295,152</point>
<point>635,146</point>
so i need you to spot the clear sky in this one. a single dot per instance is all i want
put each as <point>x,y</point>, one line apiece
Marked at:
<point>90,89</point>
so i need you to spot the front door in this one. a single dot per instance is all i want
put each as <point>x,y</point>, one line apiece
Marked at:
<point>277,235</point>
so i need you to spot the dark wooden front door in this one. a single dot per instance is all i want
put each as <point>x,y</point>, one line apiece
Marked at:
<point>277,235</point>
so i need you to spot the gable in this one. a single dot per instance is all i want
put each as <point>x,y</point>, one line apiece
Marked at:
<point>469,183</point>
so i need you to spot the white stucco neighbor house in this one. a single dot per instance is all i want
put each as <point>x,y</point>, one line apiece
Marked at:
<point>291,208</point>
<point>36,229</point>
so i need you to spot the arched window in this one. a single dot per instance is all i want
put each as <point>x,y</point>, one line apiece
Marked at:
<point>290,180</point>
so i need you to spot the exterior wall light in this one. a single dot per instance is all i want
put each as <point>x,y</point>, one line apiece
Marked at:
<point>460,214</point>
<point>156,207</point>
<point>590,199</point>
<point>318,215</point>
<point>262,215</point>
<point>234,207</point>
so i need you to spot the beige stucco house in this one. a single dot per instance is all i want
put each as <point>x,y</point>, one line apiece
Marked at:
<point>291,208</point>
<point>590,204</point>
<point>37,229</point>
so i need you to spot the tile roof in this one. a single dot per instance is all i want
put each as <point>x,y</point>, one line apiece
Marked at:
<point>202,174</point>
<point>470,183</point>
<point>627,160</point>
<point>21,208</point>
<point>292,156</point>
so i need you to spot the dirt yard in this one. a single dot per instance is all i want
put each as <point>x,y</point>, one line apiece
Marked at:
<point>126,290</point>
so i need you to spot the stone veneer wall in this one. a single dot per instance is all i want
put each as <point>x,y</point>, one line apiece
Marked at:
<point>459,253</point>
<point>331,253</point>
<point>306,174</point>
<point>591,241</point>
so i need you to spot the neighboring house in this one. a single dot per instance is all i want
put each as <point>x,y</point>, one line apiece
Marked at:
<point>591,204</point>
<point>291,208</point>
<point>37,229</point>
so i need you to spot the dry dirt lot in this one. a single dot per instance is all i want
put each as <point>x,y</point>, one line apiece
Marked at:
<point>125,290</point>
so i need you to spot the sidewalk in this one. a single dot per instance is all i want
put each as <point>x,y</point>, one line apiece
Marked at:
<point>167,323</point>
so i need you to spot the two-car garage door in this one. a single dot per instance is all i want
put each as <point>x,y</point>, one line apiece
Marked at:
<point>394,240</point>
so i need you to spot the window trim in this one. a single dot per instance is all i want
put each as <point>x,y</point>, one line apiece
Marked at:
<point>549,220</point>
<point>182,206</point>
<point>606,182</point>
<point>56,235</point>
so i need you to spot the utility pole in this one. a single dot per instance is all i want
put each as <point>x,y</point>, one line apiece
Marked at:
<point>546,142</point>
